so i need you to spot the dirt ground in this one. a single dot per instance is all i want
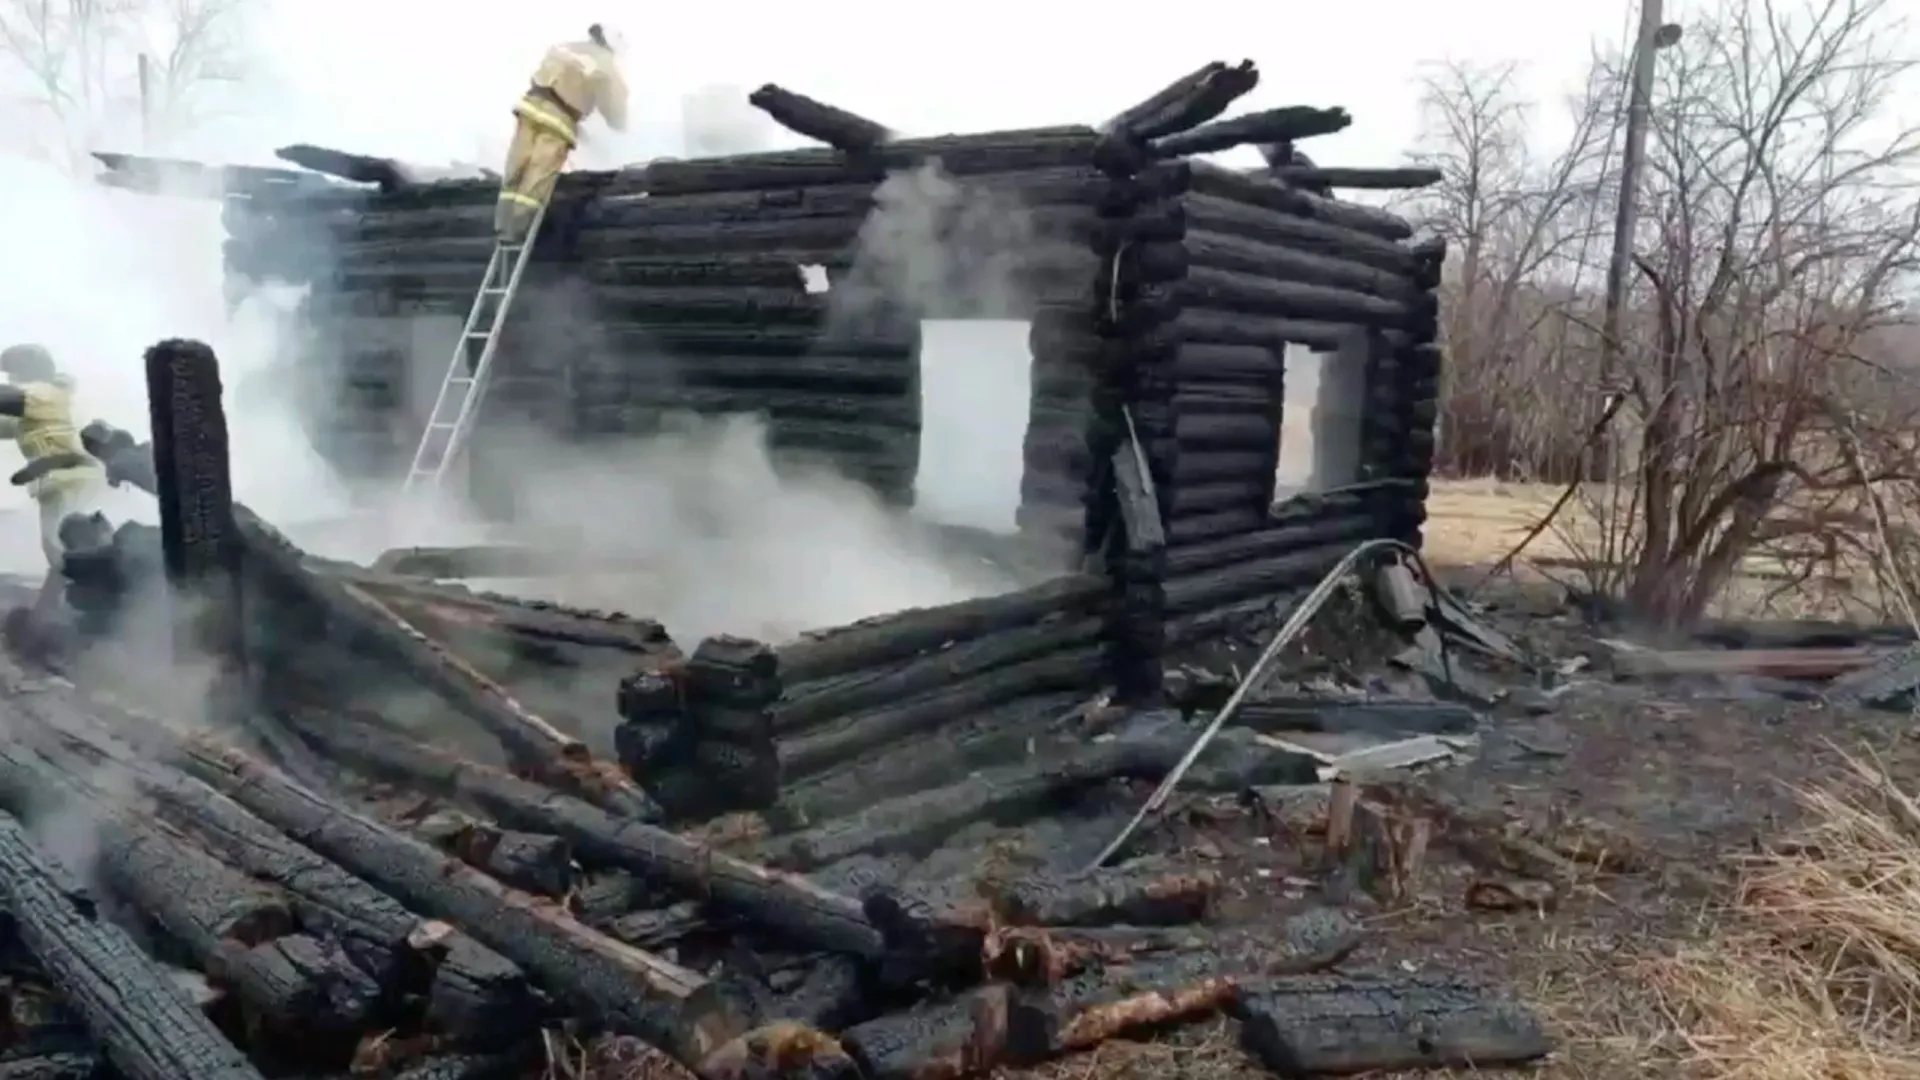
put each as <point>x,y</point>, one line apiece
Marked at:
<point>1645,964</point>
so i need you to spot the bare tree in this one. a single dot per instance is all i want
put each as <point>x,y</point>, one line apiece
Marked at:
<point>1779,225</point>
<point>79,62</point>
<point>1522,226</point>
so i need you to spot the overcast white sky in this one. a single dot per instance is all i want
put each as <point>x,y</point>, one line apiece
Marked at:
<point>430,79</point>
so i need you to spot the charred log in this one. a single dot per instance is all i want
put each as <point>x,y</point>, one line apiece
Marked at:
<point>902,635</point>
<point>1139,894</point>
<point>1187,102</point>
<point>1071,668</point>
<point>301,987</point>
<point>1314,177</point>
<point>1271,125</point>
<point>530,739</point>
<point>803,115</point>
<point>76,1066</point>
<point>914,824</point>
<point>627,988</point>
<point>959,155</point>
<point>869,688</point>
<point>530,862</point>
<point>941,1041</point>
<point>471,992</point>
<point>782,902</point>
<point>150,1031</point>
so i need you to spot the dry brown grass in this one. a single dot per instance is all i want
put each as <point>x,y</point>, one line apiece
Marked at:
<point>1814,971</point>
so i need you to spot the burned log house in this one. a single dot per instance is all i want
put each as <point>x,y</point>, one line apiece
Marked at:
<point>1166,293</point>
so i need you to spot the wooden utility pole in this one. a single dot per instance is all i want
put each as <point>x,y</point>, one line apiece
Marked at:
<point>146,103</point>
<point>1653,36</point>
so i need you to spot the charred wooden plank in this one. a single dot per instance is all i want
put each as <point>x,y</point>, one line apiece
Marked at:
<point>530,739</point>
<point>873,687</point>
<point>538,619</point>
<point>919,822</point>
<point>149,1029</point>
<point>1317,1024</point>
<point>1078,667</point>
<point>899,636</point>
<point>627,988</point>
<point>1140,894</point>
<point>779,901</point>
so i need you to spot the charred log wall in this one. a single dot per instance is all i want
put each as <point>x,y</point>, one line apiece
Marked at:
<point>920,697</point>
<point>1268,265</point>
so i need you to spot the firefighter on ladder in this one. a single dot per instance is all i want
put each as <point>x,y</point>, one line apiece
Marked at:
<point>573,82</point>
<point>36,411</point>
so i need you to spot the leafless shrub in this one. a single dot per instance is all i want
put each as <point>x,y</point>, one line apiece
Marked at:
<point>1769,398</point>
<point>80,61</point>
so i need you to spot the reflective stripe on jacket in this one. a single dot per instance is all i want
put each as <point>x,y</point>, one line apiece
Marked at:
<point>45,429</point>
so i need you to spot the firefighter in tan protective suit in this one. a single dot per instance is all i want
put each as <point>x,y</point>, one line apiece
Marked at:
<point>573,82</point>
<point>36,411</point>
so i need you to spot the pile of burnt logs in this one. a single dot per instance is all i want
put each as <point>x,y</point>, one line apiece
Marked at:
<point>699,735</point>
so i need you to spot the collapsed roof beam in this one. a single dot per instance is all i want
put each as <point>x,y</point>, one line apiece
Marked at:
<point>844,131</point>
<point>1313,177</point>
<point>1185,103</point>
<point>1287,124</point>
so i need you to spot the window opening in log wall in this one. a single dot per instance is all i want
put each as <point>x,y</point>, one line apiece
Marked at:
<point>1320,420</point>
<point>976,382</point>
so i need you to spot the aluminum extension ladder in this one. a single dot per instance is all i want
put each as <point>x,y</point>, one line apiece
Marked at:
<point>458,403</point>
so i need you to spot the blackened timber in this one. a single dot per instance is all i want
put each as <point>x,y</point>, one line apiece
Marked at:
<point>803,115</point>
<point>471,991</point>
<point>959,155</point>
<point>199,544</point>
<point>1212,213</point>
<point>1314,177</point>
<point>985,740</point>
<point>1066,669</point>
<point>528,738</point>
<point>1186,102</point>
<point>629,989</point>
<point>542,620</point>
<point>194,898</point>
<point>780,901</point>
<point>1246,580</point>
<point>1268,332</point>
<point>1271,125</point>
<point>918,822</point>
<point>299,985</point>
<point>1281,262</point>
<point>54,1066</point>
<point>1274,195</point>
<point>900,636</point>
<point>149,1029</point>
<point>1271,541</point>
<point>875,686</point>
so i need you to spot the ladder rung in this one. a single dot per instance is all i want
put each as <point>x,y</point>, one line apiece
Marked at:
<point>441,425</point>
<point>479,335</point>
<point>491,291</point>
<point>459,380</point>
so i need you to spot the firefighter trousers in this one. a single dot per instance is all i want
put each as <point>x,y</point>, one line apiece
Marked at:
<point>534,161</point>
